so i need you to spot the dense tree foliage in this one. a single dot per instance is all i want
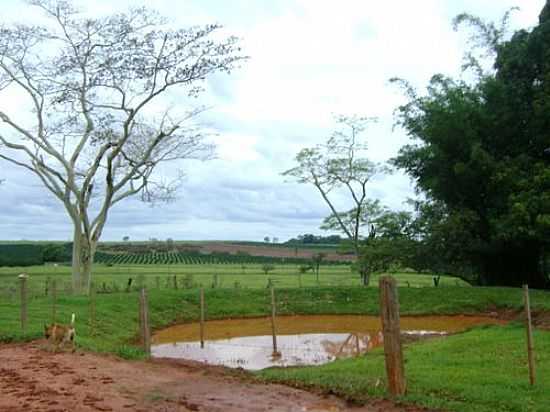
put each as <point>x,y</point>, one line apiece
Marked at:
<point>310,239</point>
<point>479,159</point>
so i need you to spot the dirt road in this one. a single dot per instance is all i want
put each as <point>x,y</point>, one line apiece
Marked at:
<point>32,379</point>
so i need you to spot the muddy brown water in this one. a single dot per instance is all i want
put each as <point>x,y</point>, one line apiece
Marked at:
<point>301,340</point>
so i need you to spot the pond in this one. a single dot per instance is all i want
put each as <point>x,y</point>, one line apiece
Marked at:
<point>301,340</point>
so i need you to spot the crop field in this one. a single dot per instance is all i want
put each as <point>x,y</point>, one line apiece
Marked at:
<point>187,258</point>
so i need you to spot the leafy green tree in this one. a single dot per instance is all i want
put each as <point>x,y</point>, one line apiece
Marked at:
<point>268,267</point>
<point>480,154</point>
<point>393,241</point>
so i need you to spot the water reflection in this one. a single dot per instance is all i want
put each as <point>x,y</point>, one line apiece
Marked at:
<point>255,352</point>
<point>354,345</point>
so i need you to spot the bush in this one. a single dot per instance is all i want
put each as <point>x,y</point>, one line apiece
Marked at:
<point>21,255</point>
<point>56,252</point>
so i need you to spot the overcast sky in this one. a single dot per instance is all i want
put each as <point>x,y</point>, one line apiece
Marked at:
<point>309,59</point>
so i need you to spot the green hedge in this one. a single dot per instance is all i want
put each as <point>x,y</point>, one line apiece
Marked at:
<point>21,255</point>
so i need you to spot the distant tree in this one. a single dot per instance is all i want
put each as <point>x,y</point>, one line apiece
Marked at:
<point>266,239</point>
<point>267,267</point>
<point>304,268</point>
<point>313,239</point>
<point>95,129</point>
<point>393,244</point>
<point>170,243</point>
<point>275,240</point>
<point>126,238</point>
<point>340,163</point>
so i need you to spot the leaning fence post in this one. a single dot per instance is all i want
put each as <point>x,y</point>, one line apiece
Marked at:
<point>389,312</point>
<point>23,291</point>
<point>275,353</point>
<point>202,317</point>
<point>144,321</point>
<point>530,344</point>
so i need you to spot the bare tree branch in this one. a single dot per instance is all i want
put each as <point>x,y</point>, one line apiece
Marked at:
<point>92,137</point>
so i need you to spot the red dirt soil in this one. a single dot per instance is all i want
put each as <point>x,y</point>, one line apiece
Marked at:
<point>33,379</point>
<point>286,252</point>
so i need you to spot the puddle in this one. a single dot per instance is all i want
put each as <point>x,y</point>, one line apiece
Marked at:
<point>301,340</point>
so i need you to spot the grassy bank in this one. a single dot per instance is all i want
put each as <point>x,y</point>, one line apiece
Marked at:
<point>484,369</point>
<point>117,313</point>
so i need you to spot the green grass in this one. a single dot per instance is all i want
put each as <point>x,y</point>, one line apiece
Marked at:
<point>117,313</point>
<point>229,276</point>
<point>484,369</point>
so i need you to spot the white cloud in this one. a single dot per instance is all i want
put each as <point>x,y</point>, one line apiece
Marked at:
<point>309,59</point>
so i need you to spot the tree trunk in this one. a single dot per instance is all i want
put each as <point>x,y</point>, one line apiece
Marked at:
<point>82,261</point>
<point>88,252</point>
<point>76,261</point>
<point>365,276</point>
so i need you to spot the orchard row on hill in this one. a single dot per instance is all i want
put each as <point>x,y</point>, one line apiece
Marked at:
<point>194,258</point>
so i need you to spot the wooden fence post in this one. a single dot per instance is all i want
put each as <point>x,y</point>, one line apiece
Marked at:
<point>23,293</point>
<point>202,317</point>
<point>144,321</point>
<point>157,281</point>
<point>47,286</point>
<point>141,281</point>
<point>389,312</point>
<point>54,299</point>
<point>530,344</point>
<point>175,282</point>
<point>275,353</point>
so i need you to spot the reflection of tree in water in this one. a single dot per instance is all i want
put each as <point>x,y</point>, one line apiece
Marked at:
<point>353,345</point>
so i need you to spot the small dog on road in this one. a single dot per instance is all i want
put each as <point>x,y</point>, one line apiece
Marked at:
<point>61,335</point>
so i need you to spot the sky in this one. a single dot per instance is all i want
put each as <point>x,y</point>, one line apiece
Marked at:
<point>308,60</point>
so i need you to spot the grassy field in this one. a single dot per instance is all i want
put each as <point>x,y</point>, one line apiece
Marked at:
<point>483,369</point>
<point>115,277</point>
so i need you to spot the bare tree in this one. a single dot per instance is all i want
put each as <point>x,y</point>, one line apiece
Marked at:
<point>95,133</point>
<point>340,164</point>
